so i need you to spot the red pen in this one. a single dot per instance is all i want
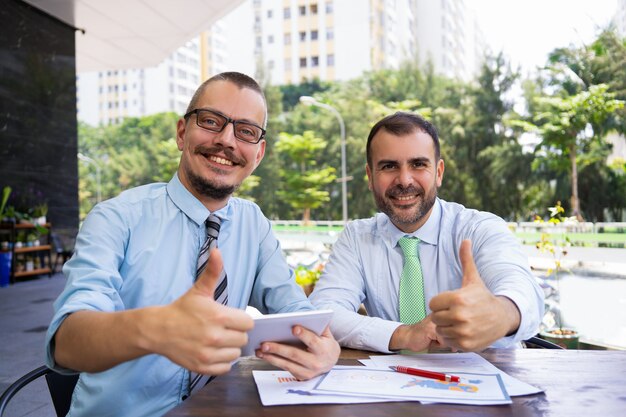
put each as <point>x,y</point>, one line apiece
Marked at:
<point>426,374</point>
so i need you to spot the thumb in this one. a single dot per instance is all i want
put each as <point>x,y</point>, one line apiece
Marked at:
<point>470,272</point>
<point>207,281</point>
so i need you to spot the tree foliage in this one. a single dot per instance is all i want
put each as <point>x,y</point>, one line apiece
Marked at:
<point>571,106</point>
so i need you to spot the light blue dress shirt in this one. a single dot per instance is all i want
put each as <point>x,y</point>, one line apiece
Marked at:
<point>366,265</point>
<point>140,249</point>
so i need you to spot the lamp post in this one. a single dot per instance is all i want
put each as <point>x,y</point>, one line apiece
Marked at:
<point>91,161</point>
<point>310,101</point>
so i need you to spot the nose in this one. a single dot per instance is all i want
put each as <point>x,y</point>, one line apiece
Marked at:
<point>227,137</point>
<point>405,177</point>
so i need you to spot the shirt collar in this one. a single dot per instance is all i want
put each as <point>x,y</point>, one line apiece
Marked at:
<point>428,233</point>
<point>190,205</point>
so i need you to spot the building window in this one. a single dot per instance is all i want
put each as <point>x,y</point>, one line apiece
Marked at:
<point>269,14</point>
<point>330,60</point>
<point>330,33</point>
<point>313,8</point>
<point>270,64</point>
<point>302,10</point>
<point>302,36</point>
<point>287,38</point>
<point>258,42</point>
<point>302,62</point>
<point>314,35</point>
<point>270,39</point>
<point>315,61</point>
<point>329,7</point>
<point>287,13</point>
<point>287,64</point>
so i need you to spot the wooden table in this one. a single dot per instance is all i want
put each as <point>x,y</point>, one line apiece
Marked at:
<point>575,383</point>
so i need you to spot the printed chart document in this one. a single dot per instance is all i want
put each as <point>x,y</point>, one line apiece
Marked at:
<point>454,363</point>
<point>281,388</point>
<point>481,382</point>
<point>477,389</point>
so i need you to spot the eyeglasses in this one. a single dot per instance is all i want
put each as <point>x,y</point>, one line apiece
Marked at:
<point>216,122</point>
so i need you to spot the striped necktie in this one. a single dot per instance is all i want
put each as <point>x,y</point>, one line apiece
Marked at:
<point>197,381</point>
<point>212,230</point>
<point>412,305</point>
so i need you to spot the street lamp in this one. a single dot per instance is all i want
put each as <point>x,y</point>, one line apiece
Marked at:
<point>310,101</point>
<point>91,161</point>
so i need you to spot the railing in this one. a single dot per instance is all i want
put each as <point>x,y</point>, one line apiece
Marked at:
<point>601,234</point>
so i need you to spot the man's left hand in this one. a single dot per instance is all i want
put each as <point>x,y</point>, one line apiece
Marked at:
<point>472,318</point>
<point>320,355</point>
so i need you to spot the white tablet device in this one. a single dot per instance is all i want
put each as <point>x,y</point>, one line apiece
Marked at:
<point>278,328</point>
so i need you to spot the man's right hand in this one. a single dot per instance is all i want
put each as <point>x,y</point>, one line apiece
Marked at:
<point>198,333</point>
<point>415,337</point>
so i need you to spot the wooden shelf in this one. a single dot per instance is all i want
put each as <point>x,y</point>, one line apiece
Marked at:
<point>30,225</point>
<point>39,271</point>
<point>25,249</point>
<point>26,255</point>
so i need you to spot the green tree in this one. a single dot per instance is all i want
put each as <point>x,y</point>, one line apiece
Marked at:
<point>567,125</point>
<point>302,183</point>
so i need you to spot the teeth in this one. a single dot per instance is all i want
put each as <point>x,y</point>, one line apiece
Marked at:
<point>405,198</point>
<point>220,160</point>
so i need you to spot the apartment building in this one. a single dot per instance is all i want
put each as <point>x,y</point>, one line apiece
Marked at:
<point>289,41</point>
<point>106,97</point>
<point>340,39</point>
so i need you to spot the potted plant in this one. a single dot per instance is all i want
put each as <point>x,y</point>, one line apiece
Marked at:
<point>556,245</point>
<point>307,278</point>
<point>39,213</point>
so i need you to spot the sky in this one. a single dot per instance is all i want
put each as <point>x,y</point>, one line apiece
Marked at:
<point>527,30</point>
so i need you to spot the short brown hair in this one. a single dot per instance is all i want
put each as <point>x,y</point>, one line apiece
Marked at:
<point>403,123</point>
<point>237,78</point>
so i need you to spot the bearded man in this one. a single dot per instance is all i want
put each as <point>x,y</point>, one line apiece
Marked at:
<point>426,270</point>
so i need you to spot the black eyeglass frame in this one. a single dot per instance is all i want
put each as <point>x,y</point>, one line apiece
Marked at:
<point>228,120</point>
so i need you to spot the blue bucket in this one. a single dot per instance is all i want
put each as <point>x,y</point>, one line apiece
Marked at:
<point>5,268</point>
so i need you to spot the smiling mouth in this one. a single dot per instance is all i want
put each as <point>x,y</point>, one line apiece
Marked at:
<point>221,161</point>
<point>405,198</point>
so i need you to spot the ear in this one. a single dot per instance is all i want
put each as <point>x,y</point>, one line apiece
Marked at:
<point>369,176</point>
<point>181,128</point>
<point>440,169</point>
<point>260,153</point>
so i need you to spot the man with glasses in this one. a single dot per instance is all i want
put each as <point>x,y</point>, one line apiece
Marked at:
<point>141,311</point>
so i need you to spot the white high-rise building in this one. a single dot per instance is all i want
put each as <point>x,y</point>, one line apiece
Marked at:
<point>106,97</point>
<point>290,41</point>
<point>340,39</point>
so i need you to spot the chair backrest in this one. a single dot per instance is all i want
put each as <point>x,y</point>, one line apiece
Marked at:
<point>538,342</point>
<point>60,386</point>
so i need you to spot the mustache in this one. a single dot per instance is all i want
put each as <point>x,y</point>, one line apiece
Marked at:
<point>400,191</point>
<point>216,150</point>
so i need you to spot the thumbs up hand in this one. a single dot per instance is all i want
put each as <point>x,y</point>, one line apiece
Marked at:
<point>198,333</point>
<point>471,317</point>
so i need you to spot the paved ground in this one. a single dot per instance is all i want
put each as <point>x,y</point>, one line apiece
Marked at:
<point>26,310</point>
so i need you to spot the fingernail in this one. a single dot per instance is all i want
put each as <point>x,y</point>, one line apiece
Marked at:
<point>297,330</point>
<point>265,348</point>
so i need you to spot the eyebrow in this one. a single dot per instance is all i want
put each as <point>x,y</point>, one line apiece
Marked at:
<point>421,159</point>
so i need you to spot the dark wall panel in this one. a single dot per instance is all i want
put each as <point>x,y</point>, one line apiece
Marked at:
<point>38,130</point>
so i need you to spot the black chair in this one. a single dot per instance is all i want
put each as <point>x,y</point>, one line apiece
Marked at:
<point>60,386</point>
<point>537,342</point>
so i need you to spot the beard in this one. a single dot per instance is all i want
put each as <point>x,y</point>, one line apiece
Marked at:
<point>405,217</point>
<point>208,187</point>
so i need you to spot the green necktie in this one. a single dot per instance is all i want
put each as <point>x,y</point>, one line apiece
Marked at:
<point>412,306</point>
